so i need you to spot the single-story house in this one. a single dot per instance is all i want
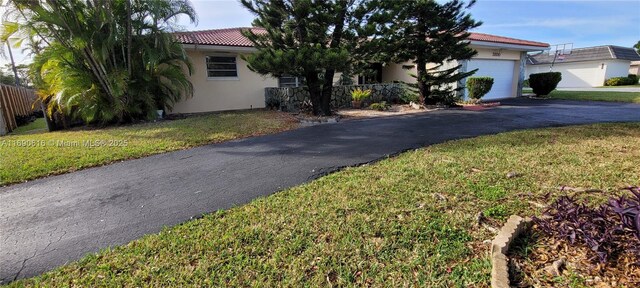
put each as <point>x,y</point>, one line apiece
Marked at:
<point>222,80</point>
<point>584,67</point>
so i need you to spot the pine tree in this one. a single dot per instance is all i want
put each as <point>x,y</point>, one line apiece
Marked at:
<point>303,38</point>
<point>431,35</point>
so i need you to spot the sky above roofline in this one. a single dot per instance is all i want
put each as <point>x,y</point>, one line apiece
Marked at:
<point>583,23</point>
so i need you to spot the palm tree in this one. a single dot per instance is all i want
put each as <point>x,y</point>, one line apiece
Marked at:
<point>107,60</point>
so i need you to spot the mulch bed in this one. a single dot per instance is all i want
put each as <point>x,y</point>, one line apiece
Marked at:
<point>533,254</point>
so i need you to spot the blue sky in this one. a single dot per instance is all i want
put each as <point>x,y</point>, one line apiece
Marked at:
<point>583,23</point>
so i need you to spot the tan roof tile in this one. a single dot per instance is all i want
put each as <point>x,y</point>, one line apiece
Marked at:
<point>234,37</point>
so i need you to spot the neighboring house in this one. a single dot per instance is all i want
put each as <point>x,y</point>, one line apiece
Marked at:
<point>222,80</point>
<point>585,67</point>
<point>634,68</point>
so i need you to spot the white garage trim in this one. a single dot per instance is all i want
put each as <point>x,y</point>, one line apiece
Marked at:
<point>502,72</point>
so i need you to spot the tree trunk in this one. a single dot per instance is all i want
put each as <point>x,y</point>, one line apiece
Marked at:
<point>325,98</point>
<point>421,75</point>
<point>336,38</point>
<point>313,84</point>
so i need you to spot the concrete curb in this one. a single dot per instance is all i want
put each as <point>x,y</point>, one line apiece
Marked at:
<point>500,246</point>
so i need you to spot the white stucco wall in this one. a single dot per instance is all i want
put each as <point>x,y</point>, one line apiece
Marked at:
<point>584,74</point>
<point>244,92</point>
<point>575,74</point>
<point>617,68</point>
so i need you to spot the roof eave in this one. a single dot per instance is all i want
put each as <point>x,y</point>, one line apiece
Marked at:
<point>526,48</point>
<point>218,48</point>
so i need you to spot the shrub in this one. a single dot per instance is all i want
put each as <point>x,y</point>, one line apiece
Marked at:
<point>525,83</point>
<point>359,94</point>
<point>634,78</point>
<point>479,86</point>
<point>607,230</point>
<point>273,103</point>
<point>407,95</point>
<point>380,106</point>
<point>618,81</point>
<point>543,83</point>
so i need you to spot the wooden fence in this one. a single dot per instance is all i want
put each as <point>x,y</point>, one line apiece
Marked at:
<point>15,101</point>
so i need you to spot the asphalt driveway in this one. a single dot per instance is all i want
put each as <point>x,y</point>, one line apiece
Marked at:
<point>51,221</point>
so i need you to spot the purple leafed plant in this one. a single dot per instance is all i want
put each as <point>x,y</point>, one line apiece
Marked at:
<point>607,230</point>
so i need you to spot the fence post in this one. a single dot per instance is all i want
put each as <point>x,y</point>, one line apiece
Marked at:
<point>3,126</point>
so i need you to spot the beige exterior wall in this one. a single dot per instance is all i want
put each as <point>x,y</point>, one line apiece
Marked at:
<point>501,54</point>
<point>394,72</point>
<point>244,92</point>
<point>634,68</point>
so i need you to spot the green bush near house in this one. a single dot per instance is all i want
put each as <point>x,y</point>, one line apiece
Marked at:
<point>360,94</point>
<point>543,83</point>
<point>380,106</point>
<point>479,86</point>
<point>620,81</point>
<point>407,95</point>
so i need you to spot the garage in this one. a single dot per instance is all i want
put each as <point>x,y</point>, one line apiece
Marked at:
<point>502,72</point>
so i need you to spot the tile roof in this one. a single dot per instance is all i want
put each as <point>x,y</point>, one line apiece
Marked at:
<point>625,53</point>
<point>504,40</point>
<point>607,52</point>
<point>233,37</point>
<point>218,37</point>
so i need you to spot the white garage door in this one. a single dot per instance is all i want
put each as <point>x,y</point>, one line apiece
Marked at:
<point>502,73</point>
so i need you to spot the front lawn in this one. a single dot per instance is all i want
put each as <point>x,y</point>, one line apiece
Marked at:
<point>29,156</point>
<point>37,126</point>
<point>405,221</point>
<point>621,86</point>
<point>609,96</point>
<point>633,97</point>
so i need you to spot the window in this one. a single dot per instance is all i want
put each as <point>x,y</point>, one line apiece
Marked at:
<point>290,81</point>
<point>221,67</point>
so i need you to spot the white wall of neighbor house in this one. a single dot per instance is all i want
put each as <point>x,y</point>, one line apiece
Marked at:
<point>617,68</point>
<point>246,91</point>
<point>575,74</point>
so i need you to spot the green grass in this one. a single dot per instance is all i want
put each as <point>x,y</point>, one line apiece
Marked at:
<point>621,86</point>
<point>37,126</point>
<point>633,97</point>
<point>30,156</point>
<point>404,221</point>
